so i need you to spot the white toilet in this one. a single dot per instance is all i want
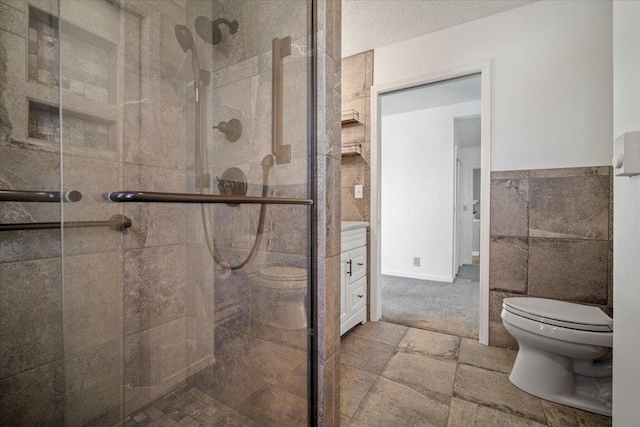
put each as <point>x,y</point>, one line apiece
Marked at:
<point>278,297</point>
<point>565,351</point>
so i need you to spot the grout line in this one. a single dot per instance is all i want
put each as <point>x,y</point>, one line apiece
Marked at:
<point>364,397</point>
<point>481,367</point>
<point>453,388</point>
<point>372,340</point>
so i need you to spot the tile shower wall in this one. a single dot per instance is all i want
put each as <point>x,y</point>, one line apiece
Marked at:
<point>551,237</point>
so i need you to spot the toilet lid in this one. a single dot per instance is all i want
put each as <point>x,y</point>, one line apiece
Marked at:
<point>560,313</point>
<point>283,277</point>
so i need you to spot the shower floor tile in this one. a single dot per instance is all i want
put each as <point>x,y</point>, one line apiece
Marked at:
<point>187,407</point>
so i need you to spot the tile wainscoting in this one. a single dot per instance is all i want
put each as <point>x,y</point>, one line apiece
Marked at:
<point>551,237</point>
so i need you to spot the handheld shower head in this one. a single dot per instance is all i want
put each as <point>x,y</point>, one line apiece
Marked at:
<point>209,30</point>
<point>185,38</point>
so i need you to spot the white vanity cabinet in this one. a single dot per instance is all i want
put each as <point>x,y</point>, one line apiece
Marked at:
<point>353,275</point>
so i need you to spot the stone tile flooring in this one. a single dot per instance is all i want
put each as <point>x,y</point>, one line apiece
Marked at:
<point>392,375</point>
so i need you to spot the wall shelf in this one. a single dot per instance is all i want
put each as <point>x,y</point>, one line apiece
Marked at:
<point>350,117</point>
<point>353,149</point>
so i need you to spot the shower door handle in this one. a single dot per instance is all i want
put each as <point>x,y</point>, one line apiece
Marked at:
<point>281,49</point>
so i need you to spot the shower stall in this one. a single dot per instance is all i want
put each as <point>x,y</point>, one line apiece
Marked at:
<point>156,212</point>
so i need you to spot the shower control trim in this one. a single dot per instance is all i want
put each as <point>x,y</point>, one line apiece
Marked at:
<point>232,129</point>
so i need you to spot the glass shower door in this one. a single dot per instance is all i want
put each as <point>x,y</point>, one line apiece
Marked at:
<point>198,311</point>
<point>31,330</point>
<point>155,212</point>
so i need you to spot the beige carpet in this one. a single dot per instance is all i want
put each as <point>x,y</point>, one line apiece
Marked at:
<point>452,308</point>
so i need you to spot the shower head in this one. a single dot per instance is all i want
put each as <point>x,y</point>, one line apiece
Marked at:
<point>185,38</point>
<point>209,30</point>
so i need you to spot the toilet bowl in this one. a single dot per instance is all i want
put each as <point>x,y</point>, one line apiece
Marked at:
<point>278,297</point>
<point>565,351</point>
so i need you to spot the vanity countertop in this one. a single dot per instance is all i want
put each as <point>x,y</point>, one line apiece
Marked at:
<point>350,225</point>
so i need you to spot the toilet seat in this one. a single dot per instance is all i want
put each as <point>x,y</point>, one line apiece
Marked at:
<point>283,277</point>
<point>560,313</point>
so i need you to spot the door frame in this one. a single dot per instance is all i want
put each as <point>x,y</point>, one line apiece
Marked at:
<point>456,217</point>
<point>484,69</point>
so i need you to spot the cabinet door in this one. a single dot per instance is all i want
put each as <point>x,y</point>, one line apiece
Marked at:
<point>344,286</point>
<point>358,263</point>
<point>357,295</point>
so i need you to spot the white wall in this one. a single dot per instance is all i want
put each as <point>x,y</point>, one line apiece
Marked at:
<point>469,157</point>
<point>626,220</point>
<point>551,79</point>
<point>417,166</point>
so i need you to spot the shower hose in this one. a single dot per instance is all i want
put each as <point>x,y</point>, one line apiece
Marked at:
<point>267,163</point>
<point>202,184</point>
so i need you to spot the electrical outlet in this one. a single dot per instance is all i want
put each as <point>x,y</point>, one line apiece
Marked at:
<point>416,261</point>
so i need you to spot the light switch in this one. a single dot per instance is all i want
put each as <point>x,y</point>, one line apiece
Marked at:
<point>358,191</point>
<point>626,157</point>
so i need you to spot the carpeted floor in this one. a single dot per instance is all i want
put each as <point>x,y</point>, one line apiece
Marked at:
<point>452,308</point>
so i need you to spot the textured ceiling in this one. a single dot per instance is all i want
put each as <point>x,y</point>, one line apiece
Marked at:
<point>455,91</point>
<point>368,24</point>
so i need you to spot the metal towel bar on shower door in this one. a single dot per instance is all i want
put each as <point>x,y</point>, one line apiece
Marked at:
<point>153,197</point>
<point>39,196</point>
<point>116,222</point>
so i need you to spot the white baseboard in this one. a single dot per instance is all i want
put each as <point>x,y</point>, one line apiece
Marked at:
<point>433,277</point>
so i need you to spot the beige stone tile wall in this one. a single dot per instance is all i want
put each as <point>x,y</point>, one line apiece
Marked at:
<point>327,208</point>
<point>357,78</point>
<point>550,238</point>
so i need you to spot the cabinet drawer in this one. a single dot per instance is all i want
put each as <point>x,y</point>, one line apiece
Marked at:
<point>358,263</point>
<point>352,239</point>
<point>357,295</point>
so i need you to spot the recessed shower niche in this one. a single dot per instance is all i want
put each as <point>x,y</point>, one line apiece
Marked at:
<point>88,68</point>
<point>78,129</point>
<point>84,64</point>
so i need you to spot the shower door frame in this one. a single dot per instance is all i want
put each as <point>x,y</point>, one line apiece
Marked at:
<point>484,69</point>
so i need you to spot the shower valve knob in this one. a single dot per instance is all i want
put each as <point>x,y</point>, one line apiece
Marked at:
<point>232,129</point>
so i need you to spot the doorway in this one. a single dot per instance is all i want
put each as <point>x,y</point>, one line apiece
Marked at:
<point>430,134</point>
